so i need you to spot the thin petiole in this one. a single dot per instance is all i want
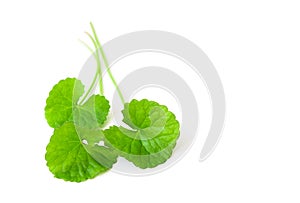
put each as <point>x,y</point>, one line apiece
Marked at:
<point>106,64</point>
<point>95,77</point>
<point>98,63</point>
<point>87,46</point>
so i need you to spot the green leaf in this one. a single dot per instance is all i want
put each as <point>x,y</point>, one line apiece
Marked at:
<point>67,156</point>
<point>62,98</point>
<point>154,133</point>
<point>62,106</point>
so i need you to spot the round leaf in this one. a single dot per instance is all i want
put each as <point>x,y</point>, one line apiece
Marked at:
<point>68,159</point>
<point>62,98</point>
<point>154,133</point>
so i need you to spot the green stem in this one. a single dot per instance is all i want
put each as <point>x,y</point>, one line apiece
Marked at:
<point>87,46</point>
<point>95,77</point>
<point>98,63</point>
<point>107,65</point>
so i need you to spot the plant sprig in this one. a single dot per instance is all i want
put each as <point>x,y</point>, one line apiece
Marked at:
<point>74,153</point>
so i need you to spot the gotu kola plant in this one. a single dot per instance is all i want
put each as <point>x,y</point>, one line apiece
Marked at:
<point>83,146</point>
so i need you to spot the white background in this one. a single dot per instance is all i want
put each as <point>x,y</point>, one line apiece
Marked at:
<point>254,45</point>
